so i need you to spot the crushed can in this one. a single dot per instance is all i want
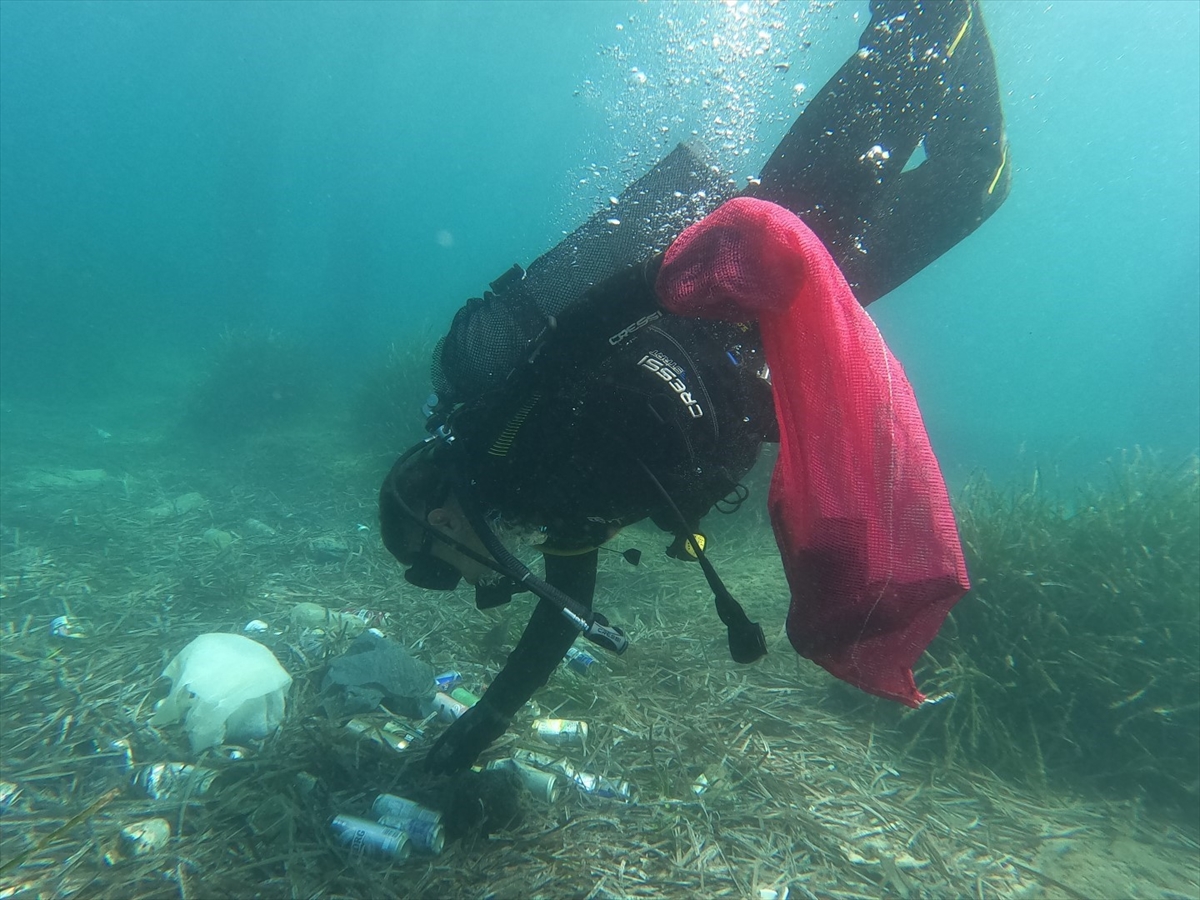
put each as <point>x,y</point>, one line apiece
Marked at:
<point>600,786</point>
<point>67,628</point>
<point>561,731</point>
<point>447,681</point>
<point>163,781</point>
<point>117,753</point>
<point>541,760</point>
<point>372,618</point>
<point>145,837</point>
<point>367,838</point>
<point>390,735</point>
<point>305,783</point>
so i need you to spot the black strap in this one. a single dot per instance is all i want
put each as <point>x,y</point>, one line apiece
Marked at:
<point>746,640</point>
<point>591,624</point>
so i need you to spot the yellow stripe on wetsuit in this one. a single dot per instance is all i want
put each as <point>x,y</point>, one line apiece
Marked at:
<point>503,443</point>
<point>962,32</point>
<point>1003,163</point>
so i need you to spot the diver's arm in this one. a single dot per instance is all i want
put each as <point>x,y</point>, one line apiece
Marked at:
<point>547,637</point>
<point>544,643</point>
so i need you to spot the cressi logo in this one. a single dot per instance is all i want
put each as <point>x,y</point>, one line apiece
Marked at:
<point>633,326</point>
<point>671,375</point>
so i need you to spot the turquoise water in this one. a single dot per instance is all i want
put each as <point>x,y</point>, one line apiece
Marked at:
<point>355,171</point>
<point>346,174</point>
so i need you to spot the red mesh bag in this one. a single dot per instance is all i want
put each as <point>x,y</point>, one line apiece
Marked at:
<point>857,501</point>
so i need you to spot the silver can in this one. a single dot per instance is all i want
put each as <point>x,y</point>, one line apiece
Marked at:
<point>402,808</point>
<point>145,837</point>
<point>542,761</point>
<point>427,836</point>
<point>561,731</point>
<point>164,781</point>
<point>367,838</point>
<point>600,786</point>
<point>65,627</point>
<point>121,751</point>
<point>388,735</point>
<point>542,784</point>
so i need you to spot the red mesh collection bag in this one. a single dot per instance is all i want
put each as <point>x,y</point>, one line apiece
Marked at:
<point>857,501</point>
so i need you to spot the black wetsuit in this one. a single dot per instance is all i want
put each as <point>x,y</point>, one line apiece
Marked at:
<point>924,76</point>
<point>557,444</point>
<point>618,385</point>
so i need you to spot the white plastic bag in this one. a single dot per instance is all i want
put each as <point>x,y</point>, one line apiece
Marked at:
<point>225,687</point>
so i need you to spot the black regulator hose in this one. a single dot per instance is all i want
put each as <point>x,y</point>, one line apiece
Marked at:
<point>591,624</point>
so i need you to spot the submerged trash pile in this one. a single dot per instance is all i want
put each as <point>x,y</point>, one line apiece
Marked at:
<point>666,772</point>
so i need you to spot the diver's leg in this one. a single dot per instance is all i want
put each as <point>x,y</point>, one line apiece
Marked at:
<point>840,167</point>
<point>965,177</point>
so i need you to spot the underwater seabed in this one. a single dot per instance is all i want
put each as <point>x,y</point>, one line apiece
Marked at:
<point>1064,765</point>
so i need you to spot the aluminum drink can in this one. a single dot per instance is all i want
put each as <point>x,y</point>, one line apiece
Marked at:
<point>365,837</point>
<point>603,787</point>
<point>402,809</point>
<point>447,680</point>
<point>447,707</point>
<point>117,753</point>
<point>580,660</point>
<point>165,780</point>
<point>542,761</point>
<point>389,735</point>
<point>426,835</point>
<point>561,731</point>
<point>66,627</point>
<point>145,837</point>
<point>462,695</point>
<point>540,783</point>
<point>398,738</point>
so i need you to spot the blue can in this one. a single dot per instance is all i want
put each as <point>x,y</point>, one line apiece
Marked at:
<point>580,660</point>
<point>447,681</point>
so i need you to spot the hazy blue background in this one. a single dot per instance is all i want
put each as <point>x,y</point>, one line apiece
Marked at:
<point>355,171</point>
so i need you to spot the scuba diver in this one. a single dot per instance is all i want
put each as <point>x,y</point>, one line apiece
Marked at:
<point>590,392</point>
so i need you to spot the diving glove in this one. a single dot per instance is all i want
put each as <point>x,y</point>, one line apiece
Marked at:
<point>457,749</point>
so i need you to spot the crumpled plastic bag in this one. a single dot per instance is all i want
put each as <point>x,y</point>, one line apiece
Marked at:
<point>376,670</point>
<point>225,687</point>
